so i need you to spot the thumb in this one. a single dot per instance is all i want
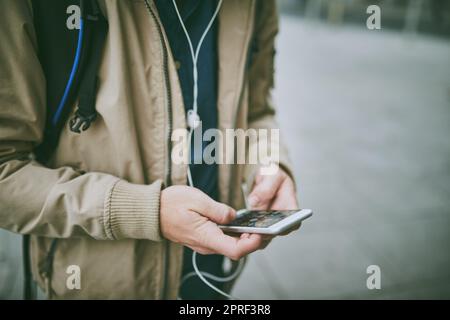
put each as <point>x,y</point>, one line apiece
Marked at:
<point>264,191</point>
<point>215,211</point>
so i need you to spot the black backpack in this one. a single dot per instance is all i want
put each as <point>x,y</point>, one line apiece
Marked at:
<point>70,57</point>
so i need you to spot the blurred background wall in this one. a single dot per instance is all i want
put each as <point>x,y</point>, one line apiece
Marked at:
<point>424,16</point>
<point>366,114</point>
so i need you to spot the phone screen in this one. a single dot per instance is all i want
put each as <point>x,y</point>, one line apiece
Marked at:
<point>260,219</point>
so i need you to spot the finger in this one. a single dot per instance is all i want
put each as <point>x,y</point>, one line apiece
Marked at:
<point>284,202</point>
<point>264,191</point>
<point>244,236</point>
<point>285,198</point>
<point>232,233</point>
<point>215,211</point>
<point>235,248</point>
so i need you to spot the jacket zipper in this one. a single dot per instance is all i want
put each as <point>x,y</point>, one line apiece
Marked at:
<point>232,179</point>
<point>167,177</point>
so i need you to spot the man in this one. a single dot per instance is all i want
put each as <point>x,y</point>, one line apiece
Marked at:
<point>113,196</point>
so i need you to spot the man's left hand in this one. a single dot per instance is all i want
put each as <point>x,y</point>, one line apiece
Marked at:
<point>273,192</point>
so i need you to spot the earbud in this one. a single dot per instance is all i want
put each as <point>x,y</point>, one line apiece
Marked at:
<point>193,119</point>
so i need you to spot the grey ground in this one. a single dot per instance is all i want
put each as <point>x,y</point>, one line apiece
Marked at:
<point>367,117</point>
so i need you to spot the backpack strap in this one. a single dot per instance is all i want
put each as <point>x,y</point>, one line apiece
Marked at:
<point>70,61</point>
<point>96,29</point>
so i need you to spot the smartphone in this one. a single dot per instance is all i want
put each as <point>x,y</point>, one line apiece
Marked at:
<point>266,222</point>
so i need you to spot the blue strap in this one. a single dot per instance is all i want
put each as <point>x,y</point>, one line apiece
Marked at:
<point>76,63</point>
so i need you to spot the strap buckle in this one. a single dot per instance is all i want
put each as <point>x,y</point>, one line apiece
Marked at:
<point>80,123</point>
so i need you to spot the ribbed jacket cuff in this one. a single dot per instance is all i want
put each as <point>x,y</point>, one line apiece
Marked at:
<point>132,211</point>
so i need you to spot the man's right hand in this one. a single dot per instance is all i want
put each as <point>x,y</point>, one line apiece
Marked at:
<point>189,217</point>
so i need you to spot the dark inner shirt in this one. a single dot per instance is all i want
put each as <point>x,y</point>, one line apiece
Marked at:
<point>196,15</point>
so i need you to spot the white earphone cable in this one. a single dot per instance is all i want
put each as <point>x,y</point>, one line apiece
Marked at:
<point>189,175</point>
<point>193,121</point>
<point>195,53</point>
<point>209,284</point>
<point>193,118</point>
<point>205,275</point>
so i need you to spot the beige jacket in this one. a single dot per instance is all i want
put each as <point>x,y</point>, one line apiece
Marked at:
<point>99,194</point>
